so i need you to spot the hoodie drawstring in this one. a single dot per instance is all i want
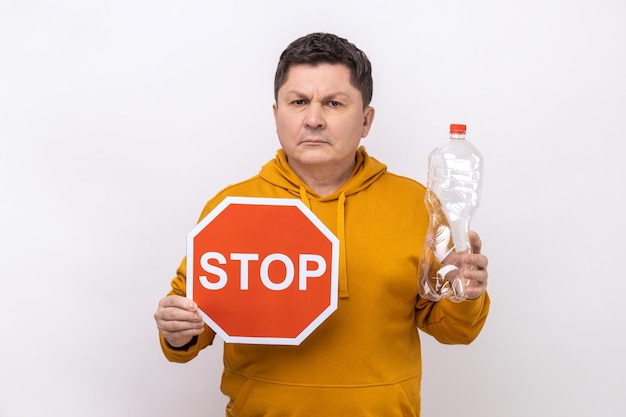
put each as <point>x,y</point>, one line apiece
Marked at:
<point>304,197</point>
<point>341,235</point>
<point>341,231</point>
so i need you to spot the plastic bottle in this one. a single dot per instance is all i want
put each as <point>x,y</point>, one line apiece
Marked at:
<point>452,197</point>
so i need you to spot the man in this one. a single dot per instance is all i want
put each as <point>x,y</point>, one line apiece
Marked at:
<point>364,360</point>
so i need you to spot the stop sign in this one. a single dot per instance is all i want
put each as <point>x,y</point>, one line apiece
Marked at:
<point>262,270</point>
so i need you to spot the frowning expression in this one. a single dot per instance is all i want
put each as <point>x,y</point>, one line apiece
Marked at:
<point>320,119</point>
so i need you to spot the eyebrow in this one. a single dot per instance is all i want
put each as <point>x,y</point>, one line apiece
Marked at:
<point>327,97</point>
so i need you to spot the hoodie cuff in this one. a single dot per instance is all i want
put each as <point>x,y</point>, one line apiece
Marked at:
<point>186,346</point>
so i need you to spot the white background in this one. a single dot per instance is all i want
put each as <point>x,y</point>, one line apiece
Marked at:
<point>119,119</point>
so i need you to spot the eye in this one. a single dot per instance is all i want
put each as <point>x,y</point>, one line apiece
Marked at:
<point>333,103</point>
<point>299,102</point>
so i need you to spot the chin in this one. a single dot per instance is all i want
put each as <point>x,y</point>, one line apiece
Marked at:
<point>315,158</point>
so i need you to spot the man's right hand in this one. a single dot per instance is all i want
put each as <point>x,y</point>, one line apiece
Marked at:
<point>178,320</point>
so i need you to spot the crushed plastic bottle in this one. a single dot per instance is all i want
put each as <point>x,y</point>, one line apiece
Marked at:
<point>452,198</point>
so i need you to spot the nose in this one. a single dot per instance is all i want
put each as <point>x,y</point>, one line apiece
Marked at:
<point>314,118</point>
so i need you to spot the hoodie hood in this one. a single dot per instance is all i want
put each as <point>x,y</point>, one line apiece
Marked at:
<point>366,171</point>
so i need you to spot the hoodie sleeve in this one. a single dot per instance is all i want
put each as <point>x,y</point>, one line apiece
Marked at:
<point>453,323</point>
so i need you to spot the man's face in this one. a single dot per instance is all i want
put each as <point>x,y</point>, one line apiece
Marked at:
<point>320,118</point>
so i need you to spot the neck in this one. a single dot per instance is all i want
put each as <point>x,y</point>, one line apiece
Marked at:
<point>325,181</point>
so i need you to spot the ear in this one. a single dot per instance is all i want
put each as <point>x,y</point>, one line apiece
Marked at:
<point>368,119</point>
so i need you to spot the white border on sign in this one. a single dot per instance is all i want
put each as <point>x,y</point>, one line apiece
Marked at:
<point>267,202</point>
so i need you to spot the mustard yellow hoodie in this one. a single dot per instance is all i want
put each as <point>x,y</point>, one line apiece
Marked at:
<point>364,360</point>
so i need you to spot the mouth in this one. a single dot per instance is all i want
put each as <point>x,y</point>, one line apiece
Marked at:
<point>315,141</point>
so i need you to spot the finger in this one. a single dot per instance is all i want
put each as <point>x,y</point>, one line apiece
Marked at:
<point>181,338</point>
<point>176,326</point>
<point>476,276</point>
<point>169,316</point>
<point>474,292</point>
<point>475,242</point>
<point>177,314</point>
<point>170,327</point>
<point>475,259</point>
<point>178,302</point>
<point>476,284</point>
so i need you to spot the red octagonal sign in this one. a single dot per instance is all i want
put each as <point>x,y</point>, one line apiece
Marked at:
<point>262,270</point>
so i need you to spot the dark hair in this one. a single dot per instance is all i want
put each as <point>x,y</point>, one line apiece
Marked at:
<point>318,48</point>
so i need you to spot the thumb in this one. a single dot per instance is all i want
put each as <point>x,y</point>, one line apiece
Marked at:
<point>475,242</point>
